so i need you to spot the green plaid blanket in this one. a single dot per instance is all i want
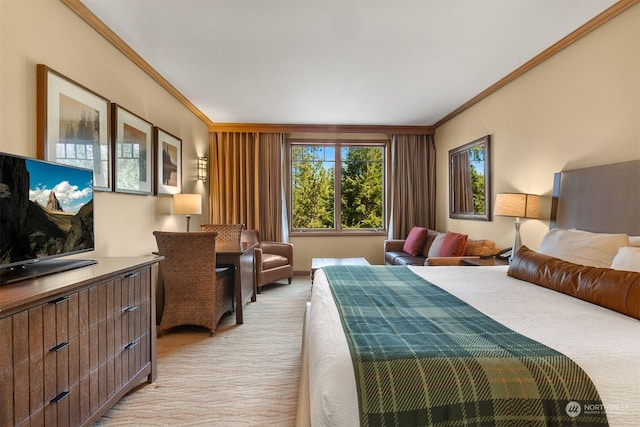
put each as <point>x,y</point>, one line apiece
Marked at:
<point>423,357</point>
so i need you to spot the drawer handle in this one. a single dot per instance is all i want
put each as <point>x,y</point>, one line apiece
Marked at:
<point>59,347</point>
<point>129,276</point>
<point>131,345</point>
<point>59,300</point>
<point>59,397</point>
<point>130,308</point>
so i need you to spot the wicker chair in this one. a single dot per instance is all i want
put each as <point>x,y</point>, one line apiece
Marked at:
<point>227,233</point>
<point>195,291</point>
<point>272,260</point>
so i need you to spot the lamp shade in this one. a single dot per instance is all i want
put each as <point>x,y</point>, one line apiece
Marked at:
<point>187,204</point>
<point>517,204</point>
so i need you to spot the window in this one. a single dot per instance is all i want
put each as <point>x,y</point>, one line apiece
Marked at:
<point>337,186</point>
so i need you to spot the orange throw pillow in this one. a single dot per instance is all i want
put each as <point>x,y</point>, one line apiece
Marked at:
<point>453,244</point>
<point>415,241</point>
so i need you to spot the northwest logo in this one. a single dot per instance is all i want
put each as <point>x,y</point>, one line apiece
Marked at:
<point>573,409</point>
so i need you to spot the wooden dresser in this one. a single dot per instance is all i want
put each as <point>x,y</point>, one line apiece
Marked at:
<point>73,343</point>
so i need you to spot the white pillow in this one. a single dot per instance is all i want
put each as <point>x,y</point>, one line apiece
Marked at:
<point>434,249</point>
<point>634,240</point>
<point>583,247</point>
<point>628,259</point>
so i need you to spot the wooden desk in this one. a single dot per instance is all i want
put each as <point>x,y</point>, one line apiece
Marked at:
<point>241,258</point>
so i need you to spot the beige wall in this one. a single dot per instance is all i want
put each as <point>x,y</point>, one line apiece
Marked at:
<point>579,108</point>
<point>47,32</point>
<point>306,248</point>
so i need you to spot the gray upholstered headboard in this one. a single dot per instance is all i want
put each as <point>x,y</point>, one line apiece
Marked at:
<point>603,199</point>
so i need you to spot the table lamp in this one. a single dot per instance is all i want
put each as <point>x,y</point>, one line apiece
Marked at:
<point>187,204</point>
<point>517,205</point>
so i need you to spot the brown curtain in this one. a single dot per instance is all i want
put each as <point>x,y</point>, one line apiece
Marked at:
<point>462,196</point>
<point>246,183</point>
<point>413,184</point>
<point>273,212</point>
<point>234,180</point>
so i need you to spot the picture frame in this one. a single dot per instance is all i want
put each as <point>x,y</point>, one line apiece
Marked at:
<point>73,125</point>
<point>132,152</point>
<point>168,152</point>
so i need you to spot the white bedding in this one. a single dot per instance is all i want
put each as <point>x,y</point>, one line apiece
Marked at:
<point>604,343</point>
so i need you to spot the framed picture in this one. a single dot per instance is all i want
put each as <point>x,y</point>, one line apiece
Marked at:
<point>168,162</point>
<point>132,152</point>
<point>73,125</point>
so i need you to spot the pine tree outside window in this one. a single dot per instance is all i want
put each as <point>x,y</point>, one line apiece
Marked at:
<point>337,187</point>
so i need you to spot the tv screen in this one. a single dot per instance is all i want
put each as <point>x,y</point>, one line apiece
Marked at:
<point>46,210</point>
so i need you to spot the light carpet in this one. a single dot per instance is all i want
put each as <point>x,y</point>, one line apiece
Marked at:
<point>243,375</point>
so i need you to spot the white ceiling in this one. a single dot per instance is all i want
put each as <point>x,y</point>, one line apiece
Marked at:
<point>376,62</point>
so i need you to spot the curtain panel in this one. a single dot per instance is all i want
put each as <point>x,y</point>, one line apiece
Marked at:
<point>413,184</point>
<point>246,181</point>
<point>273,211</point>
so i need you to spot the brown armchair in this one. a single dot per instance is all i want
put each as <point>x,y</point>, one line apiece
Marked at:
<point>195,291</point>
<point>272,260</point>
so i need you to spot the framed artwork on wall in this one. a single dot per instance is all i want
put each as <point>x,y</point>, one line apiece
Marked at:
<point>73,126</point>
<point>168,150</point>
<point>132,152</point>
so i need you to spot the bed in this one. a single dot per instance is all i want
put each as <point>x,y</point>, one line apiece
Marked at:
<point>602,339</point>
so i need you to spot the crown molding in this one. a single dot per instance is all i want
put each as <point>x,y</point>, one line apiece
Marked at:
<point>309,128</point>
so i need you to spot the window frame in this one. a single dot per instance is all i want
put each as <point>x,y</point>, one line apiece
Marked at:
<point>338,144</point>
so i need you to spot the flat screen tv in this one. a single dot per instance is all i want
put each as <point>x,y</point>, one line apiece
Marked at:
<point>46,213</point>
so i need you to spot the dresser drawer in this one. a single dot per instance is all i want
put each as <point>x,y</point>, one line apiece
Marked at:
<point>66,358</point>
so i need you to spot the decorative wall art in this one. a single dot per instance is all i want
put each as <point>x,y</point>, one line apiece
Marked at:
<point>132,152</point>
<point>73,125</point>
<point>168,162</point>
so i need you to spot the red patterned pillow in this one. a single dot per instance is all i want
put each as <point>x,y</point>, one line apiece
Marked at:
<point>453,244</point>
<point>415,241</point>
